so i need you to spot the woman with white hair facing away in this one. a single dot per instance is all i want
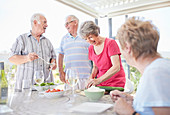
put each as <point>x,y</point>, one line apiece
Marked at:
<point>139,40</point>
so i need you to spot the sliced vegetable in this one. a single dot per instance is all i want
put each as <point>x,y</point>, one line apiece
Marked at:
<point>47,91</point>
<point>108,88</point>
<point>53,90</point>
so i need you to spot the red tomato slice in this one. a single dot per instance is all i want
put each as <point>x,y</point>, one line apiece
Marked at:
<point>58,90</point>
<point>47,91</point>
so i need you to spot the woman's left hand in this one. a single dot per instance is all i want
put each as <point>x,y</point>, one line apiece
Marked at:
<point>96,81</point>
<point>122,107</point>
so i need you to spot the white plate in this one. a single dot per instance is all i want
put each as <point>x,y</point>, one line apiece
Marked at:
<point>89,107</point>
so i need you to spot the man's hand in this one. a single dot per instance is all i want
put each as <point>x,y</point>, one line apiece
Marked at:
<point>54,65</point>
<point>62,76</point>
<point>32,56</point>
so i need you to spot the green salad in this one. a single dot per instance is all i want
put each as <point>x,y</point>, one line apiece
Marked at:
<point>45,84</point>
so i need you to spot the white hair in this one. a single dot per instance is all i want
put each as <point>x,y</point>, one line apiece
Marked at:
<point>73,18</point>
<point>36,17</point>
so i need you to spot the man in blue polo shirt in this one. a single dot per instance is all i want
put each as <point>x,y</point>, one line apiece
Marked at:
<point>74,51</point>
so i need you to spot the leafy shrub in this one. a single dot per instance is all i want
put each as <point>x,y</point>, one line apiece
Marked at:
<point>135,76</point>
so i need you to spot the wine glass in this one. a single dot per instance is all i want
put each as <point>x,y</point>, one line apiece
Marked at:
<point>38,77</point>
<point>72,78</point>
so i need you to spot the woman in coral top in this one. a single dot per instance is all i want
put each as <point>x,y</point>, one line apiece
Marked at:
<point>105,54</point>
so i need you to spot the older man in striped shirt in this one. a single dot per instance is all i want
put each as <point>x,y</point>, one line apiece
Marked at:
<point>27,49</point>
<point>74,51</point>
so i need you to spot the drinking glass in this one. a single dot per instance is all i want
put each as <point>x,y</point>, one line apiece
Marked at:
<point>38,77</point>
<point>72,78</point>
<point>26,84</point>
<point>27,89</point>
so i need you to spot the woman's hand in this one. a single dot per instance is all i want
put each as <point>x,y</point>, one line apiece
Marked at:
<point>93,82</point>
<point>122,107</point>
<point>89,81</point>
<point>116,94</point>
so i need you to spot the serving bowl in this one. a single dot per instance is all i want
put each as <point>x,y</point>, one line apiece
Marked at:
<point>54,94</point>
<point>94,95</point>
<point>44,88</point>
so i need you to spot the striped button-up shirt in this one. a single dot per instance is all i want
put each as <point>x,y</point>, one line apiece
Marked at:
<point>26,44</point>
<point>75,51</point>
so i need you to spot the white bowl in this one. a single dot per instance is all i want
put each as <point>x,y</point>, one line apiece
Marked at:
<point>54,94</point>
<point>44,88</point>
<point>54,86</point>
<point>41,88</point>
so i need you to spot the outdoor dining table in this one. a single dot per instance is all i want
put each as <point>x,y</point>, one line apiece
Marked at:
<point>37,104</point>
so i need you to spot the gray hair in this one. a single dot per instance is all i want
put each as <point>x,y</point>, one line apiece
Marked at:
<point>36,17</point>
<point>89,28</point>
<point>73,18</point>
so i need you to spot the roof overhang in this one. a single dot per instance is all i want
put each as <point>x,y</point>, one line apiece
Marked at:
<point>111,8</point>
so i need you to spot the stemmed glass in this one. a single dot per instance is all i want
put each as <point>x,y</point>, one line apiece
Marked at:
<point>72,78</point>
<point>38,77</point>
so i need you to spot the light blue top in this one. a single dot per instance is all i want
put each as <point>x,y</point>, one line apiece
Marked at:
<point>75,51</point>
<point>153,89</point>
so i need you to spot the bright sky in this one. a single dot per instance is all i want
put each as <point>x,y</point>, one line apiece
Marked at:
<point>15,20</point>
<point>161,18</point>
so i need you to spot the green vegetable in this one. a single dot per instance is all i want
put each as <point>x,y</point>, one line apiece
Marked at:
<point>50,83</point>
<point>36,85</point>
<point>43,84</point>
<point>108,88</point>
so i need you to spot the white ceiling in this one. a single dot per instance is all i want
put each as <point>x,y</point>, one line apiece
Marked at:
<point>111,8</point>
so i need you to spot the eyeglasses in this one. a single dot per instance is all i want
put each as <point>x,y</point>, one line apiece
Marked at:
<point>67,23</point>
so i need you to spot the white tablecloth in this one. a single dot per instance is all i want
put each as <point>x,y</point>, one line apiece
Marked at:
<point>37,104</point>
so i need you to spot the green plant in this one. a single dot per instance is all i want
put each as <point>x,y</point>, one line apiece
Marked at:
<point>135,76</point>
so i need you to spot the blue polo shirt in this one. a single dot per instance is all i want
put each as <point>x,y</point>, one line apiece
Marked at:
<point>75,51</point>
